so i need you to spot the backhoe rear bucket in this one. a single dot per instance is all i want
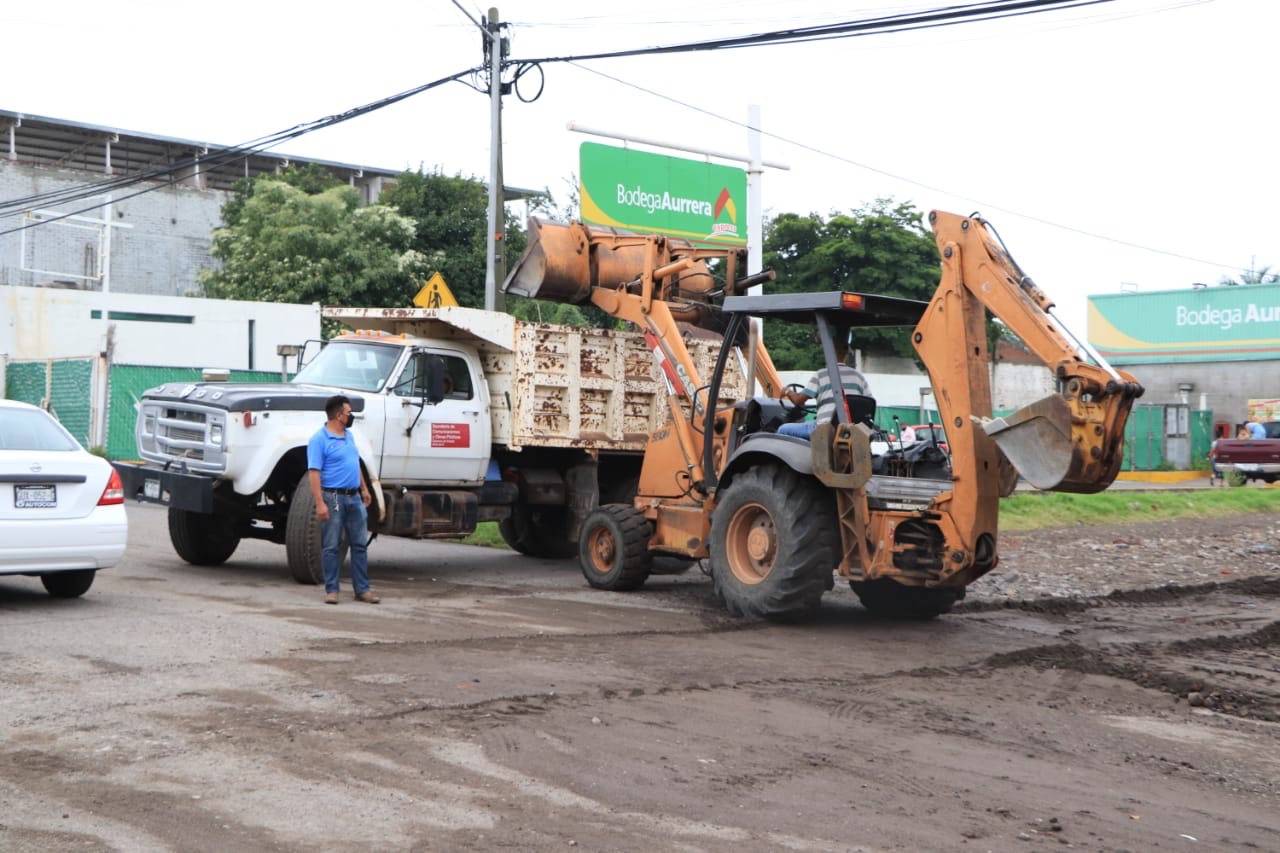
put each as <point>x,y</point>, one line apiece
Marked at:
<point>1038,440</point>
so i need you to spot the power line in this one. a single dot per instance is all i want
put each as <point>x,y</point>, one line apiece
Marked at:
<point>940,17</point>
<point>943,16</point>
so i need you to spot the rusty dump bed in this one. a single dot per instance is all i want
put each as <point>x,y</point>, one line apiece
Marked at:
<point>551,385</point>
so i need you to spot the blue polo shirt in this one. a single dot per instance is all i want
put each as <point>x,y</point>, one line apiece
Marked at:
<point>336,458</point>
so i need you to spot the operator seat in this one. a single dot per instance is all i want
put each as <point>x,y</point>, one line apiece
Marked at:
<point>862,409</point>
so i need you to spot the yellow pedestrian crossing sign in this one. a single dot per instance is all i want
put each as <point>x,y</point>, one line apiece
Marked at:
<point>435,294</point>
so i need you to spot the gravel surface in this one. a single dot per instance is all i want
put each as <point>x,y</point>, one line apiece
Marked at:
<point>1085,561</point>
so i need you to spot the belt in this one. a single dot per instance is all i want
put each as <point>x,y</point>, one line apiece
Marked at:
<point>342,491</point>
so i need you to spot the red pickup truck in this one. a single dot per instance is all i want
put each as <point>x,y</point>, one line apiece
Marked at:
<point>1255,458</point>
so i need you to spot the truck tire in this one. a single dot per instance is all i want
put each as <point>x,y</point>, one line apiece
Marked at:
<point>68,584</point>
<point>202,539</point>
<point>892,600</point>
<point>302,543</point>
<point>614,549</point>
<point>538,531</point>
<point>774,544</point>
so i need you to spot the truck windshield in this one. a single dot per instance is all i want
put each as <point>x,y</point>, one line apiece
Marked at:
<point>357,365</point>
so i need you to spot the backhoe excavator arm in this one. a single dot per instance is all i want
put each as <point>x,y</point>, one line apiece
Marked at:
<point>1071,441</point>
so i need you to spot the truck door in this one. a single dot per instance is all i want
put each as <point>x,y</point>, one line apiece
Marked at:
<point>447,442</point>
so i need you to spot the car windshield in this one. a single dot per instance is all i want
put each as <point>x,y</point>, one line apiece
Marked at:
<point>358,365</point>
<point>32,429</point>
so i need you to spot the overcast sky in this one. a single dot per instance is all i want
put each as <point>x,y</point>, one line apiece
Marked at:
<point>1126,143</point>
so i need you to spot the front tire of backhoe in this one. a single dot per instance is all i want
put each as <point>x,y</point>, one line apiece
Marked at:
<point>614,548</point>
<point>774,544</point>
<point>202,539</point>
<point>887,598</point>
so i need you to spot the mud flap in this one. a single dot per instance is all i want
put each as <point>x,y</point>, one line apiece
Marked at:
<point>1037,439</point>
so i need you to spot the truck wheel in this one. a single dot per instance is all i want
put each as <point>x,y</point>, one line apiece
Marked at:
<point>302,543</point>
<point>614,548</point>
<point>202,539</point>
<point>774,544</point>
<point>886,597</point>
<point>68,584</point>
<point>538,531</point>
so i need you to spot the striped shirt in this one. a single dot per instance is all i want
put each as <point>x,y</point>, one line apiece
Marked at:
<point>819,387</point>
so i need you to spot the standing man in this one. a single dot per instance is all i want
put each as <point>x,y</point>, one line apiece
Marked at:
<point>342,499</point>
<point>820,387</point>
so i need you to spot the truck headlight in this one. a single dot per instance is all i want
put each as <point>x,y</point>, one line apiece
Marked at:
<point>149,425</point>
<point>215,434</point>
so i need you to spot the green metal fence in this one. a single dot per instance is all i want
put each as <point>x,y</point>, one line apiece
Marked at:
<point>129,382</point>
<point>62,385</point>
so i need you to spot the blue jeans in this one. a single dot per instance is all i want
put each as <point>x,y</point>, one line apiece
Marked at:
<point>803,429</point>
<point>347,514</point>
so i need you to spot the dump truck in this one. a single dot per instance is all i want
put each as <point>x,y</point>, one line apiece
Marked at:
<point>778,517</point>
<point>462,416</point>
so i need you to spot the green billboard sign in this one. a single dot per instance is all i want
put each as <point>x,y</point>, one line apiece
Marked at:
<point>638,191</point>
<point>1206,324</point>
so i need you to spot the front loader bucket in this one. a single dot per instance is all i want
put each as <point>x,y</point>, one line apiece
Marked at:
<point>562,263</point>
<point>555,265</point>
<point>1039,440</point>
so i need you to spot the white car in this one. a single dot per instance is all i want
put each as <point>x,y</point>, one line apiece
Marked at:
<point>62,514</point>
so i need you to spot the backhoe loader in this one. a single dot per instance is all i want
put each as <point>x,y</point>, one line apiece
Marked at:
<point>777,517</point>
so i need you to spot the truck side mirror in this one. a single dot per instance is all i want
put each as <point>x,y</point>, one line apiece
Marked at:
<point>435,379</point>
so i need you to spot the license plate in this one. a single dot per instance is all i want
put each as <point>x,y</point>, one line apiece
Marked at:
<point>35,497</point>
<point>151,489</point>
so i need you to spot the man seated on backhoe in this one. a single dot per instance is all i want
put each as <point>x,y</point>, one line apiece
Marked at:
<point>819,387</point>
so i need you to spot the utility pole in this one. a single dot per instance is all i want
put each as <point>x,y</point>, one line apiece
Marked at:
<point>496,267</point>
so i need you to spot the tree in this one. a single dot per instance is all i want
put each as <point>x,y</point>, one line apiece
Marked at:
<point>309,177</point>
<point>1251,276</point>
<point>312,243</point>
<point>451,215</point>
<point>880,248</point>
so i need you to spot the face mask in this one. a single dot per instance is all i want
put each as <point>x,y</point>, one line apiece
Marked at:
<point>351,419</point>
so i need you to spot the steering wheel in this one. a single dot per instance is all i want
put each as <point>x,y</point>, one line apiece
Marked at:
<point>785,401</point>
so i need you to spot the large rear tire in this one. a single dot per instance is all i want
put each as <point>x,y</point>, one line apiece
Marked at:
<point>614,548</point>
<point>538,531</point>
<point>68,584</point>
<point>202,539</point>
<point>302,541</point>
<point>774,544</point>
<point>892,600</point>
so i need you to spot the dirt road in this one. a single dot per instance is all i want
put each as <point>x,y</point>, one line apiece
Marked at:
<point>495,702</point>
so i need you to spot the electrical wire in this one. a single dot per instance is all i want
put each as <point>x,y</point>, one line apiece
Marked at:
<point>933,18</point>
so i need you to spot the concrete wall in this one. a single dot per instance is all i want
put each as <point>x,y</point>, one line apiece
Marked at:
<point>897,382</point>
<point>1223,387</point>
<point>156,243</point>
<point>174,331</point>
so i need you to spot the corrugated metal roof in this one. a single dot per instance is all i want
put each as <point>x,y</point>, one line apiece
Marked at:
<point>57,143</point>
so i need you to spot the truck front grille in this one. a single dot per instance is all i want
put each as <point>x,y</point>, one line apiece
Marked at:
<point>186,436</point>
